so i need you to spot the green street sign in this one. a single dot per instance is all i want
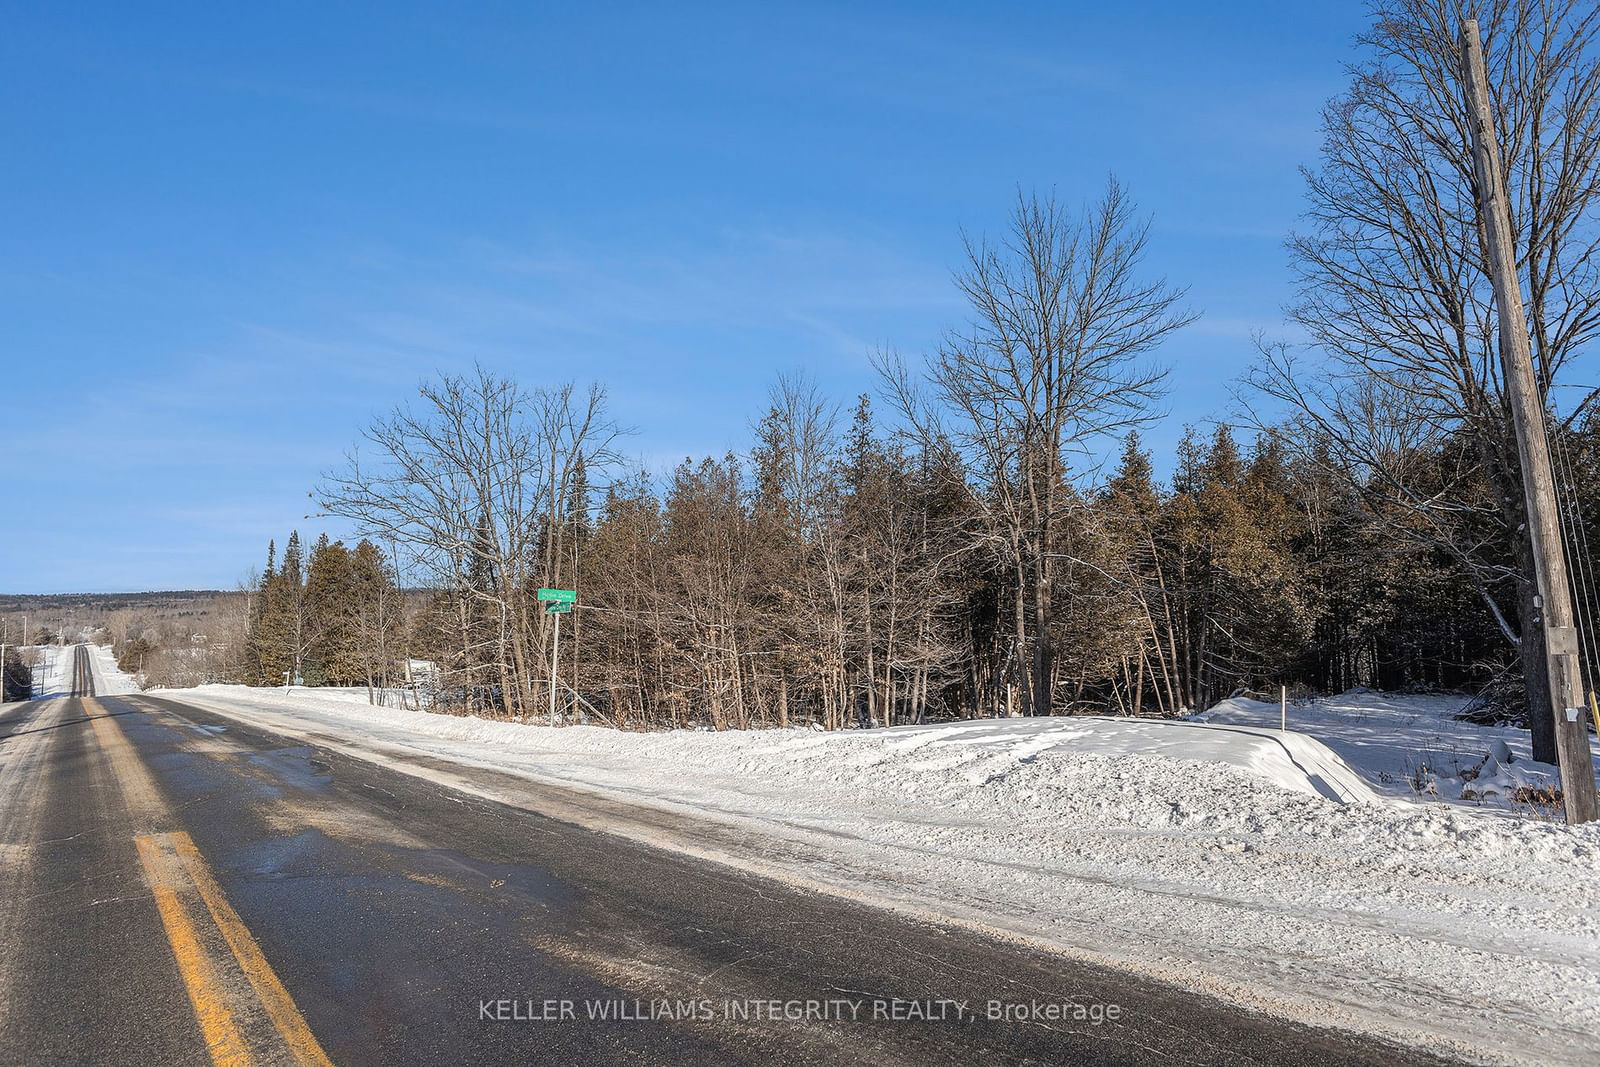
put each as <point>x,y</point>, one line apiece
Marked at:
<point>558,596</point>
<point>557,607</point>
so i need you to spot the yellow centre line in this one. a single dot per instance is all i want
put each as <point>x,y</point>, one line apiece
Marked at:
<point>280,1006</point>
<point>223,1043</point>
<point>175,870</point>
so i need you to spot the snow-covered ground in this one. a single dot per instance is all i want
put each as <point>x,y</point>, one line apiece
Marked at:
<point>1208,855</point>
<point>1414,746</point>
<point>52,675</point>
<point>108,677</point>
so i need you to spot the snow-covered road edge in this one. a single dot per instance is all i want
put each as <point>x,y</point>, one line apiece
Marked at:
<point>1431,926</point>
<point>108,678</point>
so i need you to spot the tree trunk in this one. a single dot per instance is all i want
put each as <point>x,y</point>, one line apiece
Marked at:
<point>888,679</point>
<point>1019,671</point>
<point>872,681</point>
<point>466,652</point>
<point>1044,649</point>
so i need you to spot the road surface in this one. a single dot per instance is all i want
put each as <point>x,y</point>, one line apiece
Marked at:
<point>183,889</point>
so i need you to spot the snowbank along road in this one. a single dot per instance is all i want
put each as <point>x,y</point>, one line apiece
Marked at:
<point>187,888</point>
<point>1259,866</point>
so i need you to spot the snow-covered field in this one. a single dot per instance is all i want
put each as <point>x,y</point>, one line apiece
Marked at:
<point>1210,855</point>
<point>52,677</point>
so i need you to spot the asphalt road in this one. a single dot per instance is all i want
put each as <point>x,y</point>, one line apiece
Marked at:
<point>181,889</point>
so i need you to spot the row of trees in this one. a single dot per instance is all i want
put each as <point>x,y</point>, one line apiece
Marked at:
<point>840,574</point>
<point>879,599</point>
<point>335,618</point>
<point>180,642</point>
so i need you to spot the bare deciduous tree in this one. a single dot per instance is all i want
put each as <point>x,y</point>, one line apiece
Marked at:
<point>473,485</point>
<point>1052,364</point>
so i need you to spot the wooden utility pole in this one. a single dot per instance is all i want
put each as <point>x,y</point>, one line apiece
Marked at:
<point>1528,412</point>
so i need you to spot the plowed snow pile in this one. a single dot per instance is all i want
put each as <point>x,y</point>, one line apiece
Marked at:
<point>1256,865</point>
<point>1412,746</point>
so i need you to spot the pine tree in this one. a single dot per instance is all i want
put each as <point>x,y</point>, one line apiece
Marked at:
<point>258,658</point>
<point>377,619</point>
<point>333,654</point>
<point>1139,615</point>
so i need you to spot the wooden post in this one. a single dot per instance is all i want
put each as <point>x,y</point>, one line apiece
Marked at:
<point>1528,411</point>
<point>1283,709</point>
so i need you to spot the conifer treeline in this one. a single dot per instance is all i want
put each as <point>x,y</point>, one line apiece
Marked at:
<point>721,599</point>
<point>337,618</point>
<point>742,591</point>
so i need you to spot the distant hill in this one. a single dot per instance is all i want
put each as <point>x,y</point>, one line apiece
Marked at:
<point>82,616</point>
<point>102,602</point>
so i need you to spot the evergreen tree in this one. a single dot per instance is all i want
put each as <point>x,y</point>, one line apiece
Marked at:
<point>377,620</point>
<point>258,657</point>
<point>333,654</point>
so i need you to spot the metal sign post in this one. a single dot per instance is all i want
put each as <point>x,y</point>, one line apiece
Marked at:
<point>555,655</point>
<point>556,602</point>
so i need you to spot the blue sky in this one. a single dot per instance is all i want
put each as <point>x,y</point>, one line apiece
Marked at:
<point>233,233</point>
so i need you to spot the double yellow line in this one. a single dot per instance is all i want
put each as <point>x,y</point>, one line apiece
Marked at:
<point>244,1012</point>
